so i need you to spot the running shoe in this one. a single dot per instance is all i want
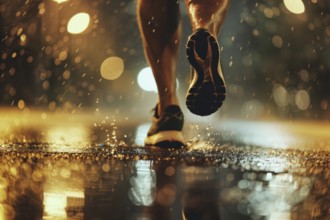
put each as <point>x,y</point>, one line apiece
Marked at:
<point>207,90</point>
<point>166,129</point>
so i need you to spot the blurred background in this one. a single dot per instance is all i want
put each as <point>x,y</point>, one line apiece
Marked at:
<point>86,55</point>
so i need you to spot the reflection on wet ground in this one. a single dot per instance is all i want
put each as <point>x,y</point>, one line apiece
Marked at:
<point>79,167</point>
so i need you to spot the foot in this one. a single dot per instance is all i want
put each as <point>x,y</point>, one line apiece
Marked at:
<point>166,129</point>
<point>207,89</point>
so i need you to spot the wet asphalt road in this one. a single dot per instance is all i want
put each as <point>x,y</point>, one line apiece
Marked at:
<point>79,167</point>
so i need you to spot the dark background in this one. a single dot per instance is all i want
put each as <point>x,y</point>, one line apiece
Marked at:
<point>270,57</point>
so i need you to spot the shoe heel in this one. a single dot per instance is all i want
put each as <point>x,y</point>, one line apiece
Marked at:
<point>205,100</point>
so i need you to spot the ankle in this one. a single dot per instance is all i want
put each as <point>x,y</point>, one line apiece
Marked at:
<point>163,103</point>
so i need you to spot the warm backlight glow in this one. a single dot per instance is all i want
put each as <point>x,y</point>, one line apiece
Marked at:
<point>60,1</point>
<point>68,138</point>
<point>112,68</point>
<point>78,23</point>
<point>295,6</point>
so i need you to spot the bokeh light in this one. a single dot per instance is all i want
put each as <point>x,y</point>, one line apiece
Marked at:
<point>277,41</point>
<point>146,80</point>
<point>78,23</point>
<point>295,6</point>
<point>112,68</point>
<point>281,95</point>
<point>21,104</point>
<point>302,99</point>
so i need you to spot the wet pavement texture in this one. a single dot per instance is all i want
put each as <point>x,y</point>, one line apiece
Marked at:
<point>76,166</point>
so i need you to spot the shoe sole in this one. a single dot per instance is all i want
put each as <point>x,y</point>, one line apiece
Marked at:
<point>207,90</point>
<point>166,139</point>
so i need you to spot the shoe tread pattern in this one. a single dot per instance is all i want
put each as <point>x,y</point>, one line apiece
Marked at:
<point>207,92</point>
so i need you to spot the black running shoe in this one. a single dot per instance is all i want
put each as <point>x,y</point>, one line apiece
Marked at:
<point>207,89</point>
<point>166,129</point>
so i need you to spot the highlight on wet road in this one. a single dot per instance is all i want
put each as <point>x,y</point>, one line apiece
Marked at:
<point>85,168</point>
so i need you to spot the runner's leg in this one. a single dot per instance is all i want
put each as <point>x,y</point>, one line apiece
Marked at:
<point>159,23</point>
